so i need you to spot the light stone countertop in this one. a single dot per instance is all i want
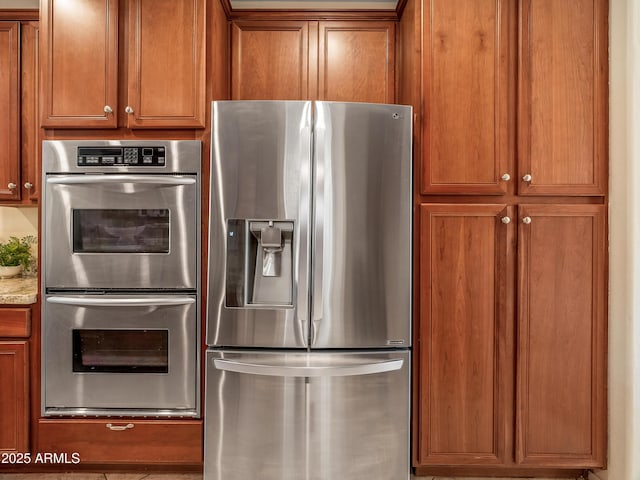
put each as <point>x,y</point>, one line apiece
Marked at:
<point>18,290</point>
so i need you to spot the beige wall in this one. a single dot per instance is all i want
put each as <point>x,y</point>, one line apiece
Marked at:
<point>19,4</point>
<point>624,258</point>
<point>18,222</point>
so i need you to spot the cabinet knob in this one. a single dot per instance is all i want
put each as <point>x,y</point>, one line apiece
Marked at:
<point>526,220</point>
<point>11,186</point>
<point>108,109</point>
<point>28,185</point>
<point>505,220</point>
<point>506,177</point>
<point>128,109</point>
<point>527,177</point>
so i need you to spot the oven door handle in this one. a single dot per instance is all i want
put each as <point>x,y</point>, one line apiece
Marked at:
<point>122,302</point>
<point>109,179</point>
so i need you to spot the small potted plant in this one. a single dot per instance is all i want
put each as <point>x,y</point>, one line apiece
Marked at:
<point>16,256</point>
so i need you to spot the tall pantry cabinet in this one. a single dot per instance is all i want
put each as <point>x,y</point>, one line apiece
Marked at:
<point>510,194</point>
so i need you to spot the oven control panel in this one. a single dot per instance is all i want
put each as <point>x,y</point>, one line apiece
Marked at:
<point>121,156</point>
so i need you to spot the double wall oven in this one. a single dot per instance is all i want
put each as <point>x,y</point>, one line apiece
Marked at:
<point>121,278</point>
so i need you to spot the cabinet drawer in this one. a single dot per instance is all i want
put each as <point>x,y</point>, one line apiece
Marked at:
<point>127,441</point>
<point>15,322</point>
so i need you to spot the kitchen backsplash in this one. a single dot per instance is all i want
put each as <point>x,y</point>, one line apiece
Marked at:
<point>18,222</point>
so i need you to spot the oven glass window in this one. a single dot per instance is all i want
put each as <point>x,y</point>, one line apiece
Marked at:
<point>120,231</point>
<point>121,351</point>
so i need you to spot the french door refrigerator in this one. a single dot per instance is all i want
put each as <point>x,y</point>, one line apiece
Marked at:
<point>309,291</point>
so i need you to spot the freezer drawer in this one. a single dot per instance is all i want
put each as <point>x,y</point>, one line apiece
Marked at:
<point>307,416</point>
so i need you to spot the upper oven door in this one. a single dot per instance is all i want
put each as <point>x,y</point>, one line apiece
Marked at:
<point>121,231</point>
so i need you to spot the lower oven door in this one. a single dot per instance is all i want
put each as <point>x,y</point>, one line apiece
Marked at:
<point>120,355</point>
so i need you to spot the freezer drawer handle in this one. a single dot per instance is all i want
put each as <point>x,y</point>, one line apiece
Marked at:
<point>103,179</point>
<point>121,302</point>
<point>288,371</point>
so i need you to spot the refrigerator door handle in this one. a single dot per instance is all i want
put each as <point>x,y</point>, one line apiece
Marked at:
<point>309,371</point>
<point>321,212</point>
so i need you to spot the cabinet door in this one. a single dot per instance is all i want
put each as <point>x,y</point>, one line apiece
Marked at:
<point>166,64</point>
<point>80,63</point>
<point>31,150</point>
<point>270,61</point>
<point>467,96</point>
<point>9,110</point>
<point>561,381</point>
<point>14,396</point>
<point>465,351</point>
<point>562,118</point>
<point>356,62</point>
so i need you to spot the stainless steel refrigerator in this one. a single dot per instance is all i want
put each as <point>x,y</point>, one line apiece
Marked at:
<point>309,292</point>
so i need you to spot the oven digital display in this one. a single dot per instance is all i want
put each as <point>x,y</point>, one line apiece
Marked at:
<point>120,351</point>
<point>121,231</point>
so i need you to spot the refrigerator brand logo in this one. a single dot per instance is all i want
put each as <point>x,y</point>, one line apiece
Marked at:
<point>395,342</point>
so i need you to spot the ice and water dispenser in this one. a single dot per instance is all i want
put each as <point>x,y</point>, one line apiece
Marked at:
<point>259,263</point>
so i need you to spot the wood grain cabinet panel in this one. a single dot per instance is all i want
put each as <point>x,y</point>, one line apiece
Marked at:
<point>270,60</point>
<point>356,61</point>
<point>465,377</point>
<point>124,441</point>
<point>467,94</point>
<point>14,396</point>
<point>30,113</point>
<point>562,118</point>
<point>80,63</point>
<point>165,75</point>
<point>305,60</point>
<point>561,407</point>
<point>9,111</point>
<point>166,64</point>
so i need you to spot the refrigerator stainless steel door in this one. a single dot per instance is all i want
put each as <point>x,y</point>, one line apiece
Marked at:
<point>362,226</point>
<point>259,222</point>
<point>307,416</point>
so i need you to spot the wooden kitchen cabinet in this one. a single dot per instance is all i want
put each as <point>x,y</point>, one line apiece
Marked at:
<point>15,328</point>
<point>562,105</point>
<point>468,310</point>
<point>163,57</point>
<point>511,104</point>
<point>469,94</point>
<point>301,60</point>
<point>356,61</point>
<point>10,110</point>
<point>466,348</point>
<point>471,71</point>
<point>561,381</point>
<point>124,441</point>
<point>19,131</point>
<point>270,60</point>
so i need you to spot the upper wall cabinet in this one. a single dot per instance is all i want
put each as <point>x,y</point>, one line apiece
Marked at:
<point>9,110</point>
<point>562,121</point>
<point>270,60</point>
<point>19,131</point>
<point>466,66</point>
<point>356,62</point>
<point>300,60</point>
<point>163,58</point>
